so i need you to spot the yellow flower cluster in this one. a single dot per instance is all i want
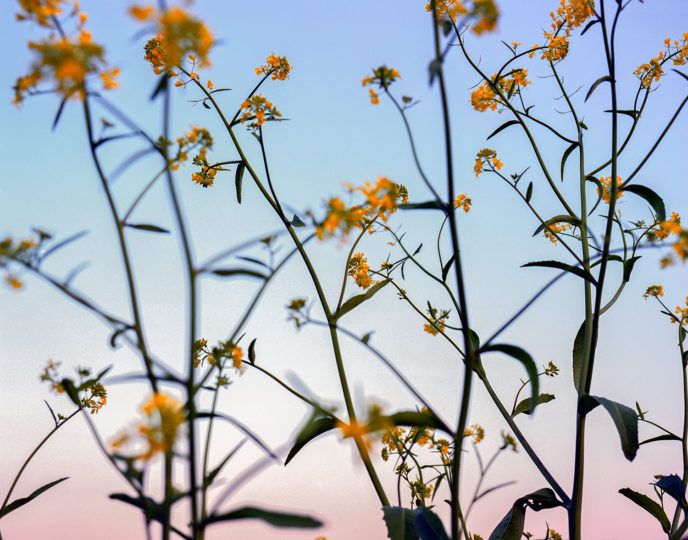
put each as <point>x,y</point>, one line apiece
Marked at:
<point>225,350</point>
<point>437,322</point>
<point>484,11</point>
<point>671,227</point>
<point>383,76</point>
<point>654,290</point>
<point>550,231</point>
<point>681,314</point>
<point>607,188</point>
<point>22,252</point>
<point>64,61</point>
<point>278,66</point>
<point>359,270</point>
<point>178,34</point>
<point>257,111</point>
<point>381,200</point>
<point>675,50</point>
<point>164,417</point>
<point>94,394</point>
<point>475,431</point>
<point>569,15</point>
<point>463,201</point>
<point>484,97</point>
<point>486,158</point>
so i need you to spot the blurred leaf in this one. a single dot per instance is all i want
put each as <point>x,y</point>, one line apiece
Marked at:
<point>317,425</point>
<point>210,478</point>
<point>649,505</point>
<point>297,222</point>
<point>358,299</point>
<point>427,205</point>
<point>447,27</point>
<point>400,522</point>
<point>226,272</point>
<point>566,155</point>
<point>146,227</point>
<point>565,267</point>
<point>414,419</point>
<point>238,179</point>
<point>563,218</point>
<point>502,127</point>
<point>241,427</point>
<point>366,338</point>
<point>18,503</point>
<point>625,419</point>
<point>58,114</point>
<point>63,243</point>
<point>435,68</point>
<point>522,356</point>
<point>253,260</point>
<point>276,519</point>
<point>524,405</point>
<point>596,84</point>
<point>161,87</point>
<point>654,200</point>
<point>428,525</point>
<point>70,389</point>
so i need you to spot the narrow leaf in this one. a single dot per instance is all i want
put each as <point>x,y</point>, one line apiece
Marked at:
<point>562,218</point>
<point>355,301</point>
<point>213,474</point>
<point>654,200</point>
<point>434,68</point>
<point>566,155</point>
<point>161,87</point>
<point>563,266</point>
<point>58,114</point>
<point>596,84</point>
<point>632,113</point>
<point>664,437</point>
<point>238,179</point>
<point>63,243</point>
<point>524,405</point>
<point>648,505</point>
<point>274,518</point>
<point>51,411</point>
<point>146,227</point>
<point>600,191</point>
<point>447,267</point>
<point>225,272</point>
<point>628,267</point>
<point>502,127</point>
<point>414,419</point>
<point>529,192</point>
<point>427,205</point>
<point>252,352</point>
<point>18,503</point>
<point>316,426</point>
<point>511,526</point>
<point>366,338</point>
<point>522,356</point>
<point>625,420</point>
<point>589,25</point>
<point>578,350</point>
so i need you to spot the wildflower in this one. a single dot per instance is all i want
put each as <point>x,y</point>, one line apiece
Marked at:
<point>486,157</point>
<point>484,11</point>
<point>486,97</point>
<point>97,398</point>
<point>508,440</point>
<point>354,429</point>
<point>607,188</point>
<point>164,416</point>
<point>475,431</point>
<point>676,51</point>
<point>463,201</point>
<point>358,269</point>
<point>551,370</point>
<point>554,535</point>
<point>297,312</point>
<point>569,15</point>
<point>210,84</point>
<point>40,11</point>
<point>420,490</point>
<point>258,110</point>
<point>654,290</point>
<point>383,76</point>
<point>374,97</point>
<point>178,36</point>
<point>277,66</point>
<point>437,320</point>
<point>553,229</point>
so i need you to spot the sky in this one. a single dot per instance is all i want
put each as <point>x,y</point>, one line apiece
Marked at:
<point>335,135</point>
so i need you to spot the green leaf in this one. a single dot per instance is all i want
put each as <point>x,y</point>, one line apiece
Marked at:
<point>447,267</point>
<point>625,419</point>
<point>297,222</point>
<point>529,192</point>
<point>511,526</point>
<point>589,25</point>
<point>524,405</point>
<point>58,114</point>
<point>427,205</point>
<point>358,299</point>
<point>70,389</point>
<point>146,227</point>
<point>414,419</point>
<point>225,272</point>
<point>565,267</point>
<point>578,350</point>
<point>673,485</point>
<point>632,113</point>
<point>522,356</point>
<point>400,522</point>
<point>447,27</point>
<point>151,509</point>
<point>18,503</point>
<point>366,338</point>
<point>316,426</point>
<point>566,155</point>
<point>502,127</point>
<point>161,87</point>
<point>600,191</point>
<point>252,352</point>
<point>210,477</point>
<point>62,243</point>
<point>434,68</point>
<point>274,518</point>
<point>648,505</point>
<point>664,437</point>
<point>596,84</point>
<point>428,525</point>
<point>628,267</point>
<point>238,179</point>
<point>563,218</point>
<point>654,200</point>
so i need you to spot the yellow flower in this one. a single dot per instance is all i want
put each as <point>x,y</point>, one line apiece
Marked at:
<point>354,429</point>
<point>463,201</point>
<point>484,97</point>
<point>437,321</point>
<point>569,15</point>
<point>553,228</point>
<point>374,97</point>
<point>486,157</point>
<point>654,290</point>
<point>164,416</point>
<point>607,185</point>
<point>475,431</point>
<point>278,66</point>
<point>358,269</point>
<point>41,11</point>
<point>258,110</point>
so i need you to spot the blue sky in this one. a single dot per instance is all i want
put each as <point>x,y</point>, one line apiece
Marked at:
<point>334,135</point>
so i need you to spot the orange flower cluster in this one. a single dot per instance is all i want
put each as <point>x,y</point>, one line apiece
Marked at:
<point>257,111</point>
<point>93,394</point>
<point>681,314</point>
<point>22,252</point>
<point>437,322</point>
<point>672,226</point>
<point>383,77</point>
<point>200,139</point>
<point>485,97</point>
<point>164,417</point>
<point>550,231</point>
<point>484,11</point>
<point>178,34</point>
<point>381,200</point>
<point>475,431</point>
<point>463,201</point>
<point>569,15</point>
<point>607,188</point>
<point>654,290</point>
<point>278,66</point>
<point>358,269</point>
<point>64,61</point>
<point>486,158</point>
<point>675,50</point>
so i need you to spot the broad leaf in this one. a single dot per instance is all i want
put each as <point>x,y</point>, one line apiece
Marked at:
<point>529,192</point>
<point>648,505</point>
<point>400,522</point>
<point>428,526</point>
<point>511,526</point>
<point>628,267</point>
<point>673,485</point>
<point>524,405</point>
<point>654,200</point>
<point>565,267</point>
<point>276,519</point>
<point>625,419</point>
<point>358,299</point>
<point>522,356</point>
<point>18,503</point>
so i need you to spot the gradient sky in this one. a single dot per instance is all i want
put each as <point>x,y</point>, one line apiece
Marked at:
<point>334,135</point>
